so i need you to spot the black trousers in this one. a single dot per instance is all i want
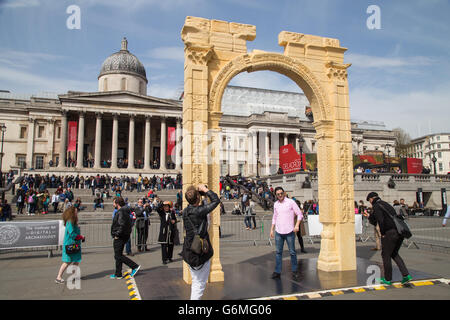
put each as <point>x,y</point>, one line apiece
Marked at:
<point>391,242</point>
<point>166,251</point>
<point>300,240</point>
<point>142,236</point>
<point>118,245</point>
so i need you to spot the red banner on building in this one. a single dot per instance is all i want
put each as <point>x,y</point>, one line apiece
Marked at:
<point>72,143</point>
<point>414,165</point>
<point>171,138</point>
<point>290,159</point>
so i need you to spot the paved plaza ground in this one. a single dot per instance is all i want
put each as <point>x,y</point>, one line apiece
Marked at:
<point>30,275</point>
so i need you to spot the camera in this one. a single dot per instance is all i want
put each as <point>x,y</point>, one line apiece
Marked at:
<point>201,192</point>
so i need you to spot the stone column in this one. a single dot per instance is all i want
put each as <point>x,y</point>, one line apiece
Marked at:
<point>51,140</point>
<point>30,142</point>
<point>80,151</point>
<point>98,142</point>
<point>163,151</point>
<point>255,150</point>
<point>147,143</point>
<point>131,143</point>
<point>249,154</point>
<point>63,142</point>
<point>178,145</point>
<point>115,140</point>
<point>286,138</point>
<point>267,152</point>
<point>297,146</point>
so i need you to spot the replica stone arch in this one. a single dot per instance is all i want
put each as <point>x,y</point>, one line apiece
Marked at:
<point>215,52</point>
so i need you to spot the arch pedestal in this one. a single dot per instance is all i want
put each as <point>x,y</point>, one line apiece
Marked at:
<point>215,52</point>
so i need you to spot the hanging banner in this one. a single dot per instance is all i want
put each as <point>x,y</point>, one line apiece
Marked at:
<point>26,234</point>
<point>414,165</point>
<point>315,227</point>
<point>171,138</point>
<point>72,144</point>
<point>290,159</point>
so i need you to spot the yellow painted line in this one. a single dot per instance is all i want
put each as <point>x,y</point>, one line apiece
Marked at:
<point>314,295</point>
<point>127,277</point>
<point>132,293</point>
<point>359,290</point>
<point>134,298</point>
<point>130,287</point>
<point>422,283</point>
<point>336,293</point>
<point>398,285</point>
<point>379,288</point>
<point>129,282</point>
<point>290,298</point>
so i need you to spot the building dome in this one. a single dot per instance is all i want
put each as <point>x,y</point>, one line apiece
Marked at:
<point>123,62</point>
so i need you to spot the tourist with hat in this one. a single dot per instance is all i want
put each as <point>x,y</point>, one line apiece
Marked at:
<point>166,230</point>
<point>391,240</point>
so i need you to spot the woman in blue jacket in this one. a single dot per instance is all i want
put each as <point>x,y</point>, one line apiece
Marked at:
<point>71,236</point>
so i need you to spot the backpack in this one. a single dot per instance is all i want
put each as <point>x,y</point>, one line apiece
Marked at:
<point>30,199</point>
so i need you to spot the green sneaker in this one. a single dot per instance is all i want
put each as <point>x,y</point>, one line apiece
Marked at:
<point>406,279</point>
<point>384,281</point>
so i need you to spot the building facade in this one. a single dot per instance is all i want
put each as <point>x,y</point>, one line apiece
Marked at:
<point>432,147</point>
<point>119,129</point>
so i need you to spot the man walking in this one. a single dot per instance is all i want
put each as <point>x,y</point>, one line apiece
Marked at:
<point>283,229</point>
<point>120,231</point>
<point>391,240</point>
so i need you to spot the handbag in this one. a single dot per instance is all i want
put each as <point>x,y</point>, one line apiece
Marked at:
<point>400,224</point>
<point>73,248</point>
<point>199,245</point>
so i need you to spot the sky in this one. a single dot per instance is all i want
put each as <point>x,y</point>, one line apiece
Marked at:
<point>399,73</point>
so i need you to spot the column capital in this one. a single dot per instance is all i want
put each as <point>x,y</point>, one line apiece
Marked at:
<point>31,119</point>
<point>132,115</point>
<point>99,115</point>
<point>82,114</point>
<point>115,115</point>
<point>148,117</point>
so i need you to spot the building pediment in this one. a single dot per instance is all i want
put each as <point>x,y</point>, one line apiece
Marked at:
<point>117,98</point>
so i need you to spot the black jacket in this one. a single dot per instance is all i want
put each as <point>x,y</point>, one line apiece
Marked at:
<point>166,227</point>
<point>122,224</point>
<point>140,217</point>
<point>382,217</point>
<point>197,215</point>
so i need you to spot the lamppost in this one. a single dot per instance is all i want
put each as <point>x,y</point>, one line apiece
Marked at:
<point>3,129</point>
<point>301,142</point>
<point>388,147</point>
<point>434,163</point>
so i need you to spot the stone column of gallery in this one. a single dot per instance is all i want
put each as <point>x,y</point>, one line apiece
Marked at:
<point>98,141</point>
<point>80,150</point>
<point>63,142</point>
<point>115,141</point>
<point>131,143</point>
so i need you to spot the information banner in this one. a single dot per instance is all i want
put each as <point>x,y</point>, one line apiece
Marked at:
<point>414,165</point>
<point>72,145</point>
<point>290,159</point>
<point>315,227</point>
<point>171,141</point>
<point>24,234</point>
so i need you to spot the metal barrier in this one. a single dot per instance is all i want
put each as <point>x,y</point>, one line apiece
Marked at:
<point>427,232</point>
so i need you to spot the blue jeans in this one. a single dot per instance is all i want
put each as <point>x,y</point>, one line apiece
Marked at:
<point>247,221</point>
<point>279,245</point>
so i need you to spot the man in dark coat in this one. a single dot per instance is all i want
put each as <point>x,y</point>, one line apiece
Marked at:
<point>141,225</point>
<point>166,230</point>
<point>195,217</point>
<point>391,240</point>
<point>121,231</point>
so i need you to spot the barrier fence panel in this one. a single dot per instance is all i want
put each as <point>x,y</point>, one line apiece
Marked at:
<point>427,231</point>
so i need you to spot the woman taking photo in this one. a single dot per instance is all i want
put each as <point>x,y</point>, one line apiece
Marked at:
<point>71,236</point>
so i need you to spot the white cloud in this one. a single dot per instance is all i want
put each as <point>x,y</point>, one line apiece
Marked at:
<point>265,80</point>
<point>417,112</point>
<point>19,3</point>
<point>366,61</point>
<point>22,59</point>
<point>22,81</point>
<point>167,53</point>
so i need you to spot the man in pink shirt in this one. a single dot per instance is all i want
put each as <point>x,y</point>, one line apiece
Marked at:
<point>283,229</point>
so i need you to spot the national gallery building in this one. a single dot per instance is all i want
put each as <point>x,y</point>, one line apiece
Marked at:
<point>120,130</point>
